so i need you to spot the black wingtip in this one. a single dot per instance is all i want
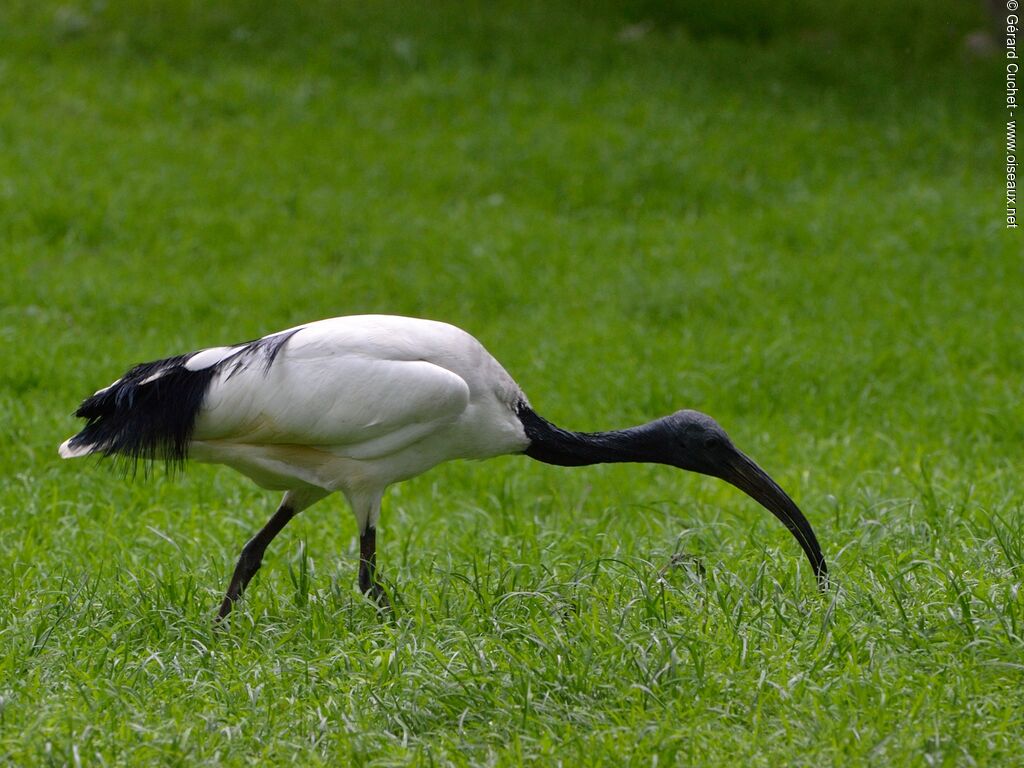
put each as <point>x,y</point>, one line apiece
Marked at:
<point>147,415</point>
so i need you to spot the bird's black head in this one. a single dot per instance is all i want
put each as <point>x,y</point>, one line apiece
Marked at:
<point>697,443</point>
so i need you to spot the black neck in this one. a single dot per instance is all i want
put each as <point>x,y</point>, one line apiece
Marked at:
<point>554,445</point>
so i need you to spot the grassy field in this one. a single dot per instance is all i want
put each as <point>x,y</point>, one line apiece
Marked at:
<point>791,223</point>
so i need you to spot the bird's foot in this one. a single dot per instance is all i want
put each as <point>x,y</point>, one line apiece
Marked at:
<point>377,595</point>
<point>225,608</point>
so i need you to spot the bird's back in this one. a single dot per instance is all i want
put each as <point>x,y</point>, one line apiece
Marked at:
<point>352,380</point>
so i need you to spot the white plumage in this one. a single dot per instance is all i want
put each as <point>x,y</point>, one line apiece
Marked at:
<point>353,404</point>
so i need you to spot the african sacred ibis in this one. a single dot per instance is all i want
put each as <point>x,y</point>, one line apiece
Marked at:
<point>354,404</point>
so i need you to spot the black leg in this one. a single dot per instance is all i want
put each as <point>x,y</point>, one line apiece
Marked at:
<point>251,557</point>
<point>368,569</point>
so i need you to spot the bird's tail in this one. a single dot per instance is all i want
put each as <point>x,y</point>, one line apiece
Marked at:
<point>148,414</point>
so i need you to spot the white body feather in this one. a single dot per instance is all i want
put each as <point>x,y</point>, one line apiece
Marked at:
<point>354,404</point>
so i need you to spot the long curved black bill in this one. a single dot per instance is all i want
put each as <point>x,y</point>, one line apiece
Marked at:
<point>745,474</point>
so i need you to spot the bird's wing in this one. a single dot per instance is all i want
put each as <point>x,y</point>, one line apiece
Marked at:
<point>348,398</point>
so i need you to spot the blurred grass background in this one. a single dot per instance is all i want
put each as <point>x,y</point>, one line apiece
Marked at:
<point>788,215</point>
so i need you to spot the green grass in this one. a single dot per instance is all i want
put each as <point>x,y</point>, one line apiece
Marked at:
<point>794,224</point>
